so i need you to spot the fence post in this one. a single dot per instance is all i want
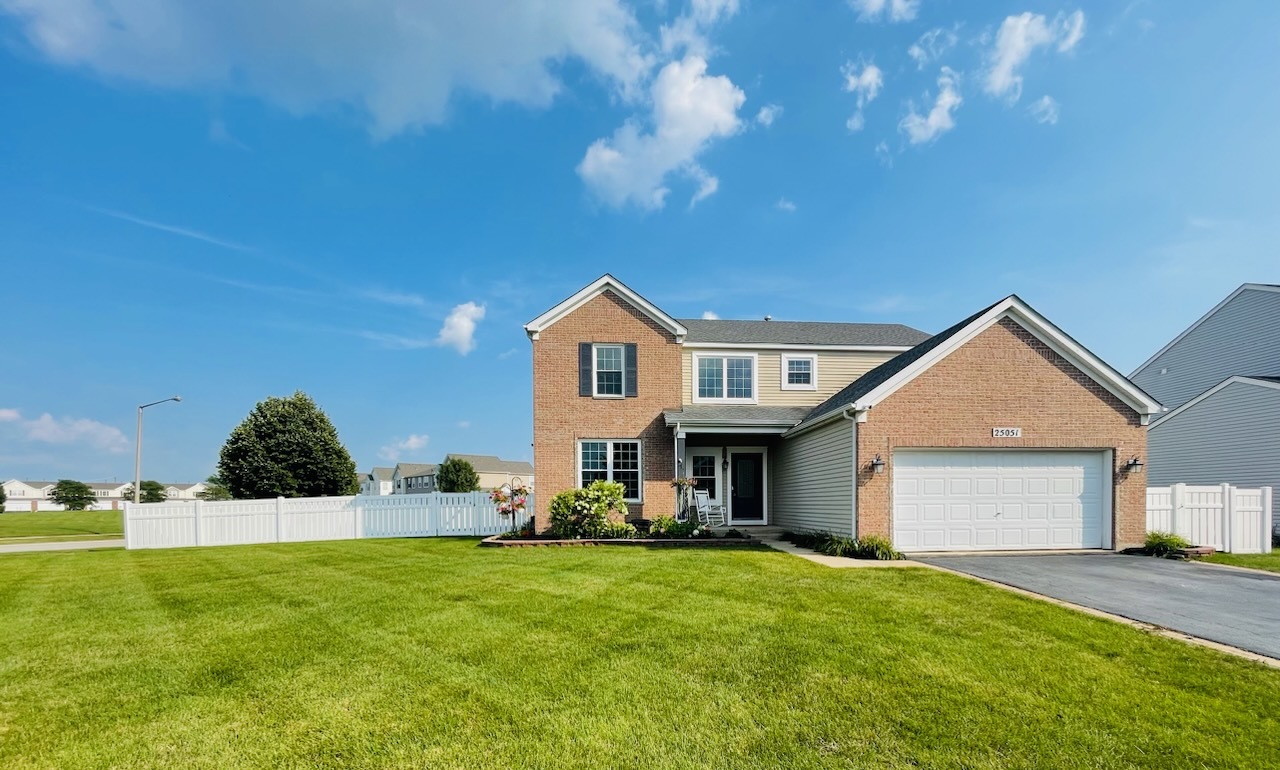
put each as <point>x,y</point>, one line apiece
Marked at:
<point>197,519</point>
<point>1228,513</point>
<point>128,545</point>
<point>279,519</point>
<point>359,509</point>
<point>1268,522</point>
<point>1175,502</point>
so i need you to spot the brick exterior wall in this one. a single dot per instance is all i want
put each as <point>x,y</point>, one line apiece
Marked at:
<point>1003,377</point>
<point>561,417</point>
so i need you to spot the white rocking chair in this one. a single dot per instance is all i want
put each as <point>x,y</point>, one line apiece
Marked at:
<point>709,513</point>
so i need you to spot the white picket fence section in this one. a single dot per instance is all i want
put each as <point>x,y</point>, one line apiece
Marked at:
<point>1228,518</point>
<point>288,520</point>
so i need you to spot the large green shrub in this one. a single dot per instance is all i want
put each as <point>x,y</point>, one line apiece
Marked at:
<point>579,513</point>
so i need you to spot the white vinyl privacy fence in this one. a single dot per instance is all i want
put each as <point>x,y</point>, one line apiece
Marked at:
<point>286,520</point>
<point>1225,517</point>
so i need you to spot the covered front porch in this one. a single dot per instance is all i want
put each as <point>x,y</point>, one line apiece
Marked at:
<point>727,450</point>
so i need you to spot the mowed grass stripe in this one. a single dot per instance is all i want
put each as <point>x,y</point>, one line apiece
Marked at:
<point>436,653</point>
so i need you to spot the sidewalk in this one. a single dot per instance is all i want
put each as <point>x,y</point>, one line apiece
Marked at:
<point>74,545</point>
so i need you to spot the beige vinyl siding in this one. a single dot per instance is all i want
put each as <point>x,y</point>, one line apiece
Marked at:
<point>836,369</point>
<point>812,480</point>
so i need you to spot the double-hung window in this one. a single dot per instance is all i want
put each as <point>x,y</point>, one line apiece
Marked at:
<point>608,460</point>
<point>799,372</point>
<point>725,378</point>
<point>608,371</point>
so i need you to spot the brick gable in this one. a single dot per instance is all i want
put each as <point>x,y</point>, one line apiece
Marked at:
<point>561,417</point>
<point>1003,377</point>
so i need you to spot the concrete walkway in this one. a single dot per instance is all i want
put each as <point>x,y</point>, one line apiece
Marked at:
<point>73,545</point>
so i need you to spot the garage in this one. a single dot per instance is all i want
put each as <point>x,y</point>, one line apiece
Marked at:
<point>989,499</point>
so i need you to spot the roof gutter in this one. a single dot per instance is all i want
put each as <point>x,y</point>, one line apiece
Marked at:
<point>857,410</point>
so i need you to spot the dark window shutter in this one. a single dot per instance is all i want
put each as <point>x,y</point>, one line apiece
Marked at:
<point>629,369</point>
<point>585,387</point>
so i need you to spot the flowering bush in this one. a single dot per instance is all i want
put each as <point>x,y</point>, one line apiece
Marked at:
<point>585,512</point>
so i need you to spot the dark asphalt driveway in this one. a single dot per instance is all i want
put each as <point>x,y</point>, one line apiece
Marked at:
<point>1229,606</point>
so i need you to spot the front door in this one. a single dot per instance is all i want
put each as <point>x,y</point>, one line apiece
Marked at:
<point>746,487</point>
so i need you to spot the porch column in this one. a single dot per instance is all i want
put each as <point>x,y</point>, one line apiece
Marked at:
<point>679,468</point>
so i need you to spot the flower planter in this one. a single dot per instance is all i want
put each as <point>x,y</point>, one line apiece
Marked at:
<point>746,541</point>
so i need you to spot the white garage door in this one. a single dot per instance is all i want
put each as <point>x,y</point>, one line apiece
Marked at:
<point>977,500</point>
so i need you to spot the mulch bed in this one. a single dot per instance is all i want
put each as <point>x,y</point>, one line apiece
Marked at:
<point>746,541</point>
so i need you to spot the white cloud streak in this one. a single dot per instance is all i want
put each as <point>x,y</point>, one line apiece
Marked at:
<point>864,80</point>
<point>785,205</point>
<point>398,447</point>
<point>397,64</point>
<point>893,10</point>
<point>768,114</point>
<point>171,229</point>
<point>1018,37</point>
<point>1044,110</point>
<point>710,315</point>
<point>47,429</point>
<point>931,46</point>
<point>921,129</point>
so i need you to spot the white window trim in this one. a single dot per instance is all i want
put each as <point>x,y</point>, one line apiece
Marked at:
<point>595,378</point>
<point>609,461</point>
<point>813,372</point>
<point>724,371</point>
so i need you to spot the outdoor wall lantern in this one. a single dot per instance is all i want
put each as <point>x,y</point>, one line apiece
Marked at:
<point>877,465</point>
<point>724,459</point>
<point>1134,465</point>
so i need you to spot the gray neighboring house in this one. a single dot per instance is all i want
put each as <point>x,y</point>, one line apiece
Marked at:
<point>1220,381</point>
<point>413,478</point>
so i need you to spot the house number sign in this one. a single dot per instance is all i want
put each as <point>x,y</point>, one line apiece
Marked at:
<point>1006,433</point>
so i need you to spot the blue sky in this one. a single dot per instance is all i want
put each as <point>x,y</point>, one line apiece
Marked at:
<point>367,200</point>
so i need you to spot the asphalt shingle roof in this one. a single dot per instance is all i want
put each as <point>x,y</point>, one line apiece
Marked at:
<point>495,464</point>
<point>734,413</point>
<point>800,333</point>
<point>881,374</point>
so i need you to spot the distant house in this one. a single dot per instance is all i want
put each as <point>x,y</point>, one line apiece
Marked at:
<point>379,481</point>
<point>413,478</point>
<point>34,495</point>
<point>1220,381</point>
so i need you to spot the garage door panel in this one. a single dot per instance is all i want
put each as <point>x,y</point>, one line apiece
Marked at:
<point>978,500</point>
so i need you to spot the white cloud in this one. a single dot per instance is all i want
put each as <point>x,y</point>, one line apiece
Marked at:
<point>785,205</point>
<point>864,81</point>
<point>459,328</point>
<point>396,449</point>
<point>508,353</point>
<point>220,134</point>
<point>894,10</point>
<point>710,315</point>
<point>1044,110</point>
<point>926,128</point>
<point>1018,37</point>
<point>396,64</point>
<point>932,45</point>
<point>690,109</point>
<point>46,429</point>
<point>464,424</point>
<point>884,154</point>
<point>768,114</point>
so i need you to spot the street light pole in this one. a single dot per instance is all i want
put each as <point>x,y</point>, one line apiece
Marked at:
<point>137,449</point>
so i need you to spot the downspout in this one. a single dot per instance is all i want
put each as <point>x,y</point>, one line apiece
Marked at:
<point>853,453</point>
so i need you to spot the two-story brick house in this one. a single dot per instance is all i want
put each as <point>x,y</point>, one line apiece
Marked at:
<point>1000,432</point>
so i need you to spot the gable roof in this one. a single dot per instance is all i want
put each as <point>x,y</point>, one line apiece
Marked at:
<point>801,333</point>
<point>1262,382</point>
<point>414,469</point>
<point>594,289</point>
<point>882,381</point>
<point>1267,287</point>
<point>381,474</point>
<point>494,464</point>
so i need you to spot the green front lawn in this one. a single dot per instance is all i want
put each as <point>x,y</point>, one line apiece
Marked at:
<point>70,525</point>
<point>1266,561</point>
<point>439,654</point>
